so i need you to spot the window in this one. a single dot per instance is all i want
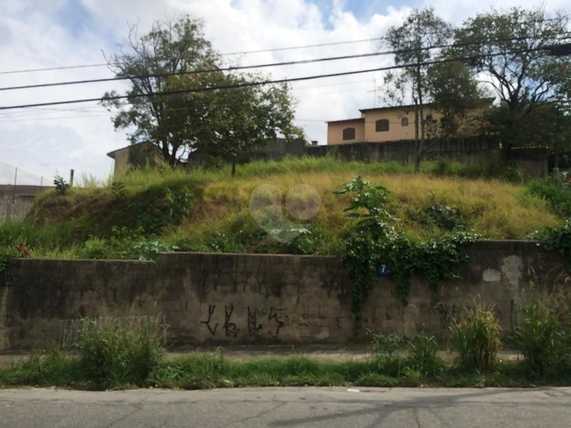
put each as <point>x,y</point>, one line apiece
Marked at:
<point>382,125</point>
<point>404,121</point>
<point>349,134</point>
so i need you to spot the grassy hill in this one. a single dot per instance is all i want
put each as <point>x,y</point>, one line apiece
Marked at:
<point>208,210</point>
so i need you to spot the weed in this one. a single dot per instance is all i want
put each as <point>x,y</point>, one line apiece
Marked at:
<point>542,338</point>
<point>476,337</point>
<point>60,185</point>
<point>422,355</point>
<point>116,351</point>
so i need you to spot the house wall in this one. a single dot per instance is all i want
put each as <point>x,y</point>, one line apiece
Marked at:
<point>256,299</point>
<point>396,131</point>
<point>121,158</point>
<point>470,125</point>
<point>335,131</point>
<point>17,201</point>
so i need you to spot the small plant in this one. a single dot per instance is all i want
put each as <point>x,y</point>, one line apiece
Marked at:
<point>555,192</point>
<point>118,190</point>
<point>443,216</point>
<point>558,239</point>
<point>385,346</point>
<point>119,351</point>
<point>422,350</point>
<point>60,184</point>
<point>476,336</point>
<point>6,255</point>
<point>542,338</point>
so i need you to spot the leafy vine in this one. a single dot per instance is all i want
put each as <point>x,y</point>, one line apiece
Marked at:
<point>557,239</point>
<point>374,241</point>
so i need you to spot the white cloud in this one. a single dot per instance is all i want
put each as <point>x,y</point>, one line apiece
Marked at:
<point>34,34</point>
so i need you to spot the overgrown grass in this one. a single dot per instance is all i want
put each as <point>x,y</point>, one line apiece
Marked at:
<point>208,210</point>
<point>213,370</point>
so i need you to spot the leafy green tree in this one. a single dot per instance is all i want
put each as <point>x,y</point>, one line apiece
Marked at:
<point>225,123</point>
<point>508,50</point>
<point>176,47</point>
<point>453,89</point>
<point>421,30</point>
<point>235,123</point>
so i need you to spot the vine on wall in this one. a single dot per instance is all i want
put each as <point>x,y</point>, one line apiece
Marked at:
<point>557,239</point>
<point>375,240</point>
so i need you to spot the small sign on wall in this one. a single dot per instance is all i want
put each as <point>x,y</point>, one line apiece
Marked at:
<point>383,271</point>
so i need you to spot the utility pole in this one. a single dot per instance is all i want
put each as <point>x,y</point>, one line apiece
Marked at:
<point>375,92</point>
<point>13,207</point>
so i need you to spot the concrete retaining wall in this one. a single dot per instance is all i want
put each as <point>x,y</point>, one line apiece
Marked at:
<point>224,298</point>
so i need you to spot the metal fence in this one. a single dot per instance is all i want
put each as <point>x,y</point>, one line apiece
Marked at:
<point>15,176</point>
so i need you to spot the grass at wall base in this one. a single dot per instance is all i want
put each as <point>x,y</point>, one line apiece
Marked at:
<point>117,353</point>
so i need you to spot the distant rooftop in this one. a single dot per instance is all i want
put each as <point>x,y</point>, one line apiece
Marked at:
<point>347,120</point>
<point>481,101</point>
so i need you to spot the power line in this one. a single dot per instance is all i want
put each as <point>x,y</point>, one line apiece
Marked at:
<point>249,67</point>
<point>291,48</point>
<point>191,72</point>
<point>255,83</point>
<point>281,49</point>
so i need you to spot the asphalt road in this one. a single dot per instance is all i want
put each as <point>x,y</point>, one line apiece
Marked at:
<point>288,407</point>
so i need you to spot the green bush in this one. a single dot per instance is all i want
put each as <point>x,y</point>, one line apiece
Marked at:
<point>124,243</point>
<point>556,193</point>
<point>441,215</point>
<point>542,338</point>
<point>385,346</point>
<point>476,336</point>
<point>422,355</point>
<point>116,351</point>
<point>557,239</point>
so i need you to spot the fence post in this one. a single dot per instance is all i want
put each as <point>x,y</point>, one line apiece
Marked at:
<point>13,205</point>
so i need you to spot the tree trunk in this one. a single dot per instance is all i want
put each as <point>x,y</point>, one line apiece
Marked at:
<point>233,167</point>
<point>420,119</point>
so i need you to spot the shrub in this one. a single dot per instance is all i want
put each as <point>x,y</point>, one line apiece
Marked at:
<point>476,338</point>
<point>542,338</point>
<point>124,243</point>
<point>556,193</point>
<point>441,215</point>
<point>118,351</point>
<point>61,186</point>
<point>422,350</point>
<point>385,346</point>
<point>557,239</point>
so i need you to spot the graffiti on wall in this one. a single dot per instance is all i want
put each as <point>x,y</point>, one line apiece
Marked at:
<point>253,321</point>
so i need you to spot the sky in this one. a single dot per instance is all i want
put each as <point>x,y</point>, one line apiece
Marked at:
<point>43,142</point>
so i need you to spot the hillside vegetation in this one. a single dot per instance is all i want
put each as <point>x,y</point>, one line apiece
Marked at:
<point>153,210</point>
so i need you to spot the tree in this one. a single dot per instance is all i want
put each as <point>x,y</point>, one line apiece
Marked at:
<point>243,119</point>
<point>508,49</point>
<point>226,123</point>
<point>168,48</point>
<point>421,30</point>
<point>453,89</point>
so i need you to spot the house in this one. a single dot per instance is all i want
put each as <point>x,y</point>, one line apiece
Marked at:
<point>133,156</point>
<point>387,124</point>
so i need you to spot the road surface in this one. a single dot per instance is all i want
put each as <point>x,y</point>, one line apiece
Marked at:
<point>288,407</point>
